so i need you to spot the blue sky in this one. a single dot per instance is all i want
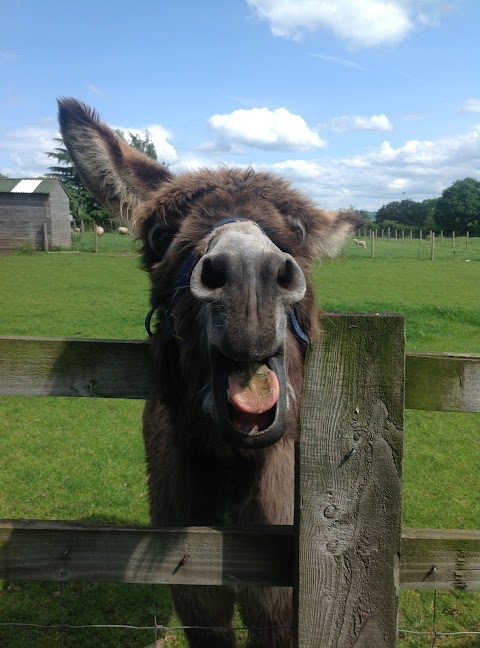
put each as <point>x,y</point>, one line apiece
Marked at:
<point>357,102</point>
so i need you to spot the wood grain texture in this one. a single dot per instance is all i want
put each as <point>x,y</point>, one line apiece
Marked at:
<point>443,382</point>
<point>348,495</point>
<point>114,368</point>
<point>69,551</point>
<point>63,367</point>
<point>440,559</point>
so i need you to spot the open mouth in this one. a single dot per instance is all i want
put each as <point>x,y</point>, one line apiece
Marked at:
<point>250,399</point>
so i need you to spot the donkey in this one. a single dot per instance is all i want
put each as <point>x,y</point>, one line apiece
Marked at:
<point>229,254</point>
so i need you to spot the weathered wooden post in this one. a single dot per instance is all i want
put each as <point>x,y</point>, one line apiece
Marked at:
<point>432,245</point>
<point>348,485</point>
<point>96,237</point>
<point>453,239</point>
<point>45,237</point>
<point>372,244</point>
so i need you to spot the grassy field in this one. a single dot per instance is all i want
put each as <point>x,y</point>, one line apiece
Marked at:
<point>83,458</point>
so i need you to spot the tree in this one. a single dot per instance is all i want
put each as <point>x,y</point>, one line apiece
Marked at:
<point>429,207</point>
<point>392,224</point>
<point>407,212</point>
<point>145,146</point>
<point>458,209</point>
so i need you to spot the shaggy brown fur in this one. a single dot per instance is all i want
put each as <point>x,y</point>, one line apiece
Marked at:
<point>223,295</point>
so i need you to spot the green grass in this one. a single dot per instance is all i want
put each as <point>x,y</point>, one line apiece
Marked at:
<point>440,299</point>
<point>83,458</point>
<point>385,249</point>
<point>73,295</point>
<point>52,447</point>
<point>110,242</point>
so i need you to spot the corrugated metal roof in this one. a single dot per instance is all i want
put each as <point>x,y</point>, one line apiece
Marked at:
<point>28,185</point>
<point>7,184</point>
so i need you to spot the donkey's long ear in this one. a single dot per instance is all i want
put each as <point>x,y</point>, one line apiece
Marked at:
<point>333,229</point>
<point>116,174</point>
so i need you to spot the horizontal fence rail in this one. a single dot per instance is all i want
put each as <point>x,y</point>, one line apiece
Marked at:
<point>442,382</point>
<point>70,551</point>
<point>121,369</point>
<point>62,367</point>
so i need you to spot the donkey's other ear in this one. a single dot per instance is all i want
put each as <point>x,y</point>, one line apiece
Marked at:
<point>116,174</point>
<point>333,229</point>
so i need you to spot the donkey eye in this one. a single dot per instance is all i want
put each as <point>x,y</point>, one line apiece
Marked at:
<point>159,239</point>
<point>298,229</point>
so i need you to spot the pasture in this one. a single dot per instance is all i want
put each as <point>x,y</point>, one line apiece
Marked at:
<point>83,459</point>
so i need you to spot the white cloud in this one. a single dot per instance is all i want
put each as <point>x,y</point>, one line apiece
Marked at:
<point>266,129</point>
<point>363,23</point>
<point>398,183</point>
<point>415,170</point>
<point>470,105</point>
<point>299,170</point>
<point>159,136</point>
<point>25,150</point>
<point>348,123</point>
<point>192,162</point>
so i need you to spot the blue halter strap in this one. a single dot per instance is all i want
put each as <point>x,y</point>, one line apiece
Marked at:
<point>183,282</point>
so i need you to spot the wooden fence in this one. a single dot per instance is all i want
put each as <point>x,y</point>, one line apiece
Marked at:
<point>345,555</point>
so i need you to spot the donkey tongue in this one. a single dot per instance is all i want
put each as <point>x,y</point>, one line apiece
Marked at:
<point>255,393</point>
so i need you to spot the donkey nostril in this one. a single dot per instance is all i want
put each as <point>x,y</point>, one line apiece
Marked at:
<point>214,272</point>
<point>291,279</point>
<point>285,275</point>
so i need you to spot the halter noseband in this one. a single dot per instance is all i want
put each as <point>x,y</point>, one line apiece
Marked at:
<point>183,281</point>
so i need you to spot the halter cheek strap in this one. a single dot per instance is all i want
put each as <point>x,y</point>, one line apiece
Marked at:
<point>183,282</point>
<point>299,332</point>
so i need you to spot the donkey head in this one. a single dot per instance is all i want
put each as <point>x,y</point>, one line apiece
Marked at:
<point>228,252</point>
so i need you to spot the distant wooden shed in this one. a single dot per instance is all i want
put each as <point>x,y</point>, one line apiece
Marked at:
<point>34,211</point>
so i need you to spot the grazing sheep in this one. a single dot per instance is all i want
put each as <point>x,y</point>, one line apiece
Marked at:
<point>359,243</point>
<point>100,231</point>
<point>123,231</point>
